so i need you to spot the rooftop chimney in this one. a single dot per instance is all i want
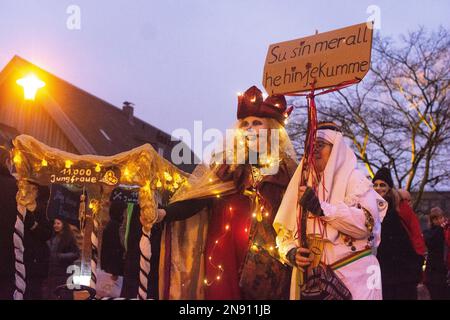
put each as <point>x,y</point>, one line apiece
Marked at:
<point>128,109</point>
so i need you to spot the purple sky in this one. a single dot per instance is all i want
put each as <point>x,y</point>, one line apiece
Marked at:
<point>184,60</point>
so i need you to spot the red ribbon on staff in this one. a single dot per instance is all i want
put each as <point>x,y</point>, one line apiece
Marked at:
<point>309,163</point>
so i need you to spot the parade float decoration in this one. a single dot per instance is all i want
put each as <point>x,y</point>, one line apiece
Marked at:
<point>34,163</point>
<point>313,66</point>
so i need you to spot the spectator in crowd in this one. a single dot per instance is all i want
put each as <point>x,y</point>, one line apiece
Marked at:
<point>405,196</point>
<point>8,212</point>
<point>411,223</point>
<point>37,231</point>
<point>131,241</point>
<point>130,233</point>
<point>401,264</point>
<point>112,253</point>
<point>436,269</point>
<point>447,243</point>
<point>63,252</point>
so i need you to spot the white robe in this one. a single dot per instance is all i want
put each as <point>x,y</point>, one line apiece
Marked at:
<point>362,277</point>
<point>347,188</point>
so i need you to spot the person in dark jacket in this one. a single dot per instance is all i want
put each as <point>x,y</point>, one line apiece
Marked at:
<point>112,253</point>
<point>436,270</point>
<point>63,252</point>
<point>131,244</point>
<point>37,231</point>
<point>132,257</point>
<point>8,212</point>
<point>400,264</point>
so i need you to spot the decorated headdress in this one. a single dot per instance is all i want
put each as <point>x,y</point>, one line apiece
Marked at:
<point>251,103</point>
<point>205,181</point>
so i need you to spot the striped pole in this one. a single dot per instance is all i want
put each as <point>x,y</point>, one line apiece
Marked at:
<point>144,264</point>
<point>94,254</point>
<point>18,252</point>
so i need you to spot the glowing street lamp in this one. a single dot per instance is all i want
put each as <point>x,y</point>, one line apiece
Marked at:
<point>31,84</point>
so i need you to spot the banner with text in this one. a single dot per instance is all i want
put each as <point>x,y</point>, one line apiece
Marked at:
<point>323,60</point>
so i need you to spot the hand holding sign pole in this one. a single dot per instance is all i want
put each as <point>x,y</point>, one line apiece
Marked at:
<point>329,61</point>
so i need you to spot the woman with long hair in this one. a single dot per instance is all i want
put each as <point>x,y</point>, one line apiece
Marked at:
<point>226,250</point>
<point>63,252</point>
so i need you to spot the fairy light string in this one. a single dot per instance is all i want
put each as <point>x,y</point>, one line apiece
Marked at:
<point>258,215</point>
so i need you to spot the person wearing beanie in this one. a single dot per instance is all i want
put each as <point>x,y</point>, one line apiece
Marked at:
<point>385,181</point>
<point>343,224</point>
<point>400,264</point>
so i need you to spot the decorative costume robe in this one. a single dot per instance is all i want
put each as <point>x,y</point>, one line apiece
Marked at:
<point>226,248</point>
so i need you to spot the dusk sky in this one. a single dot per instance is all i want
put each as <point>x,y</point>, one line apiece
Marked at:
<point>181,61</point>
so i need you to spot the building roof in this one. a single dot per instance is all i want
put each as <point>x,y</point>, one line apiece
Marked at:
<point>90,123</point>
<point>7,133</point>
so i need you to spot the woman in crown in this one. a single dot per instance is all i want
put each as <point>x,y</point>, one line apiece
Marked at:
<point>223,245</point>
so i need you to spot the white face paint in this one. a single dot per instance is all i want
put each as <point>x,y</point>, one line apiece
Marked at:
<point>251,127</point>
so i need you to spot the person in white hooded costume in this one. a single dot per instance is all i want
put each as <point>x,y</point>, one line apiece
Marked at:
<point>344,219</point>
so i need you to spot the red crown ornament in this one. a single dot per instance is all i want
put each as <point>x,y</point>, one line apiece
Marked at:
<point>251,103</point>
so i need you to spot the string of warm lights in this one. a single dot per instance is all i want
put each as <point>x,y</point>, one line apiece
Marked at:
<point>259,215</point>
<point>166,181</point>
<point>141,167</point>
<point>219,267</point>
